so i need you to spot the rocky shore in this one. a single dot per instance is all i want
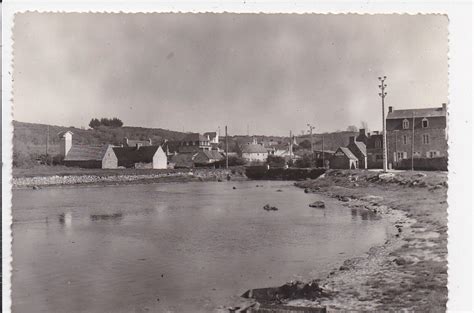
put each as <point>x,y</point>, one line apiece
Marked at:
<point>408,272</point>
<point>123,177</point>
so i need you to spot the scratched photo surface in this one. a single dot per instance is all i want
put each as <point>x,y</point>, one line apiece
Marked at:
<point>177,162</point>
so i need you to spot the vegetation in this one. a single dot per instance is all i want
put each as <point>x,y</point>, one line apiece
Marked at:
<point>276,161</point>
<point>304,162</point>
<point>113,122</point>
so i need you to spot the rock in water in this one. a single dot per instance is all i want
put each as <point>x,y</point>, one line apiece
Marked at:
<point>268,207</point>
<point>317,204</point>
<point>234,187</point>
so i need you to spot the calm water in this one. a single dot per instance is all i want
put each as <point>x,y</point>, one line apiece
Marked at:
<point>173,247</point>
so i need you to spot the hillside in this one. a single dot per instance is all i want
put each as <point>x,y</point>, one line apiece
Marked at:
<point>29,139</point>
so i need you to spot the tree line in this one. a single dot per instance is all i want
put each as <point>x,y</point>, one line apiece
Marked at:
<point>110,122</point>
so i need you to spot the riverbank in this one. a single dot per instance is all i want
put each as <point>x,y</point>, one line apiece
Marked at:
<point>61,176</point>
<point>408,272</point>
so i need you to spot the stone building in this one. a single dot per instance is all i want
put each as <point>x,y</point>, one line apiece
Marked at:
<point>358,149</point>
<point>343,158</point>
<point>254,152</point>
<point>374,150</point>
<point>418,132</point>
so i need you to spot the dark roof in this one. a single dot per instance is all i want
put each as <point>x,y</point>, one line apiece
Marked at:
<point>86,153</point>
<point>212,154</point>
<point>430,112</point>
<point>131,155</point>
<point>171,146</point>
<point>183,160</point>
<point>348,153</point>
<point>361,146</point>
<point>195,137</point>
<point>211,134</point>
<point>253,148</point>
<point>62,133</point>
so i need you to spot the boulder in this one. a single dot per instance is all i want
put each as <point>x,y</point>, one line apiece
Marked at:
<point>318,204</point>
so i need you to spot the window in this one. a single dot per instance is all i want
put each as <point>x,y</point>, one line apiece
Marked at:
<point>424,123</point>
<point>426,139</point>
<point>405,139</point>
<point>401,155</point>
<point>406,124</point>
<point>433,154</point>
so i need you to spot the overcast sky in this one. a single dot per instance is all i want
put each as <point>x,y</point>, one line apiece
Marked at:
<point>195,72</point>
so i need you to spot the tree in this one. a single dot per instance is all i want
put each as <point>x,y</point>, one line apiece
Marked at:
<point>352,128</point>
<point>94,123</point>
<point>304,162</point>
<point>305,144</point>
<point>276,161</point>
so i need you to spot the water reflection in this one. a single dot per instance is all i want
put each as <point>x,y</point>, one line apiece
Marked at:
<point>106,217</point>
<point>364,214</point>
<point>65,219</point>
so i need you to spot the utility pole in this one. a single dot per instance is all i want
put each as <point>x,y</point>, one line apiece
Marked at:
<point>382,94</point>
<point>226,149</point>
<point>413,141</point>
<point>311,127</point>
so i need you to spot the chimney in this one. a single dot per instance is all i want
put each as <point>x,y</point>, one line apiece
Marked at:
<point>368,134</point>
<point>390,108</point>
<point>444,106</point>
<point>351,139</point>
<point>362,132</point>
<point>65,143</point>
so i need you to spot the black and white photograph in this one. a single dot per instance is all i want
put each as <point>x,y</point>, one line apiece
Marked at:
<point>229,162</point>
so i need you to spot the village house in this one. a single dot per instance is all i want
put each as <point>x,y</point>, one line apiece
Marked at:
<point>359,150</point>
<point>85,156</point>
<point>374,150</point>
<point>420,133</point>
<point>141,157</point>
<point>135,143</point>
<point>254,152</point>
<point>206,158</point>
<point>322,158</point>
<point>213,137</point>
<point>194,142</point>
<point>343,158</point>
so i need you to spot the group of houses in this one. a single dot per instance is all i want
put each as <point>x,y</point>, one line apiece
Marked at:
<point>414,136</point>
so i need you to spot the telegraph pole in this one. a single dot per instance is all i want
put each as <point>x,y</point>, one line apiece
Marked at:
<point>311,127</point>
<point>226,149</point>
<point>382,94</point>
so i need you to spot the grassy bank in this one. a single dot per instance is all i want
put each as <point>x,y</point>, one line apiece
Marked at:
<point>410,270</point>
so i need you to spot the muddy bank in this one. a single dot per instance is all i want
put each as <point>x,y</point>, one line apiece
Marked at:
<point>123,177</point>
<point>408,272</point>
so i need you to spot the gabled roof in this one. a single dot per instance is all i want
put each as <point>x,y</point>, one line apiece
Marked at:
<point>183,160</point>
<point>253,148</point>
<point>132,155</point>
<point>195,137</point>
<point>212,154</point>
<point>347,152</point>
<point>64,132</point>
<point>86,153</point>
<point>409,113</point>
<point>361,146</point>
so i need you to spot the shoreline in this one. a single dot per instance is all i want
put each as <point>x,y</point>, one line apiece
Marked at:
<point>407,272</point>
<point>122,177</point>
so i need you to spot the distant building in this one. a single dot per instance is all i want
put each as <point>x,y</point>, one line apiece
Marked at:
<point>417,132</point>
<point>358,149</point>
<point>85,156</point>
<point>141,157</point>
<point>322,158</point>
<point>135,143</point>
<point>374,150</point>
<point>254,152</point>
<point>213,137</point>
<point>343,158</point>
<point>194,142</point>
<point>206,157</point>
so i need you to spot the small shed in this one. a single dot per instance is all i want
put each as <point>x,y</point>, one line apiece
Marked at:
<point>142,157</point>
<point>91,157</point>
<point>359,149</point>
<point>343,158</point>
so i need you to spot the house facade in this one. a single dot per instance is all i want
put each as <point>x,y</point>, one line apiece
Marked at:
<point>194,142</point>
<point>358,149</point>
<point>91,157</point>
<point>418,132</point>
<point>213,137</point>
<point>254,152</point>
<point>343,158</point>
<point>374,150</point>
